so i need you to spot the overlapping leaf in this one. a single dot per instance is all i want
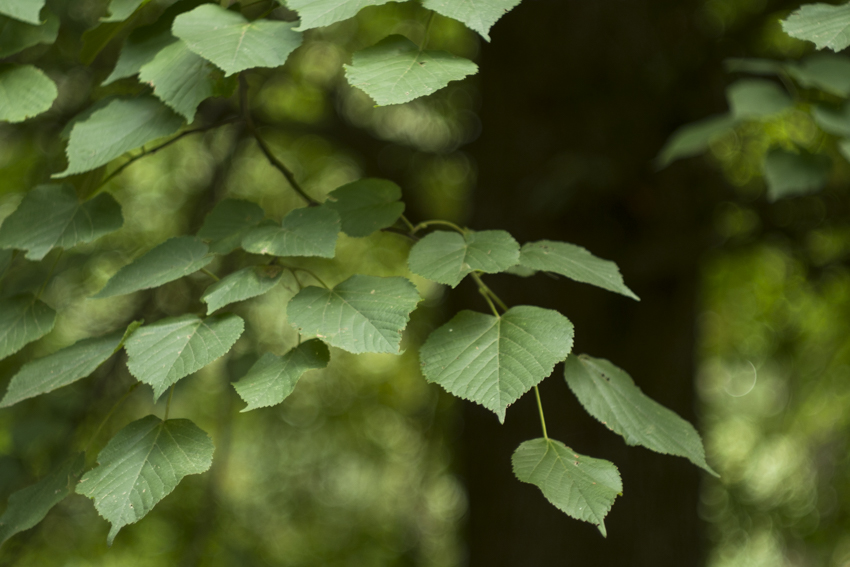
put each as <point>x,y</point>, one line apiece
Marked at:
<point>171,260</point>
<point>318,13</point>
<point>180,78</point>
<point>25,91</point>
<point>790,174</point>
<point>447,257</point>
<point>366,205</point>
<point>575,263</point>
<point>233,43</point>
<point>120,10</point>
<point>822,24</point>
<point>139,48</point>
<point>51,216</point>
<point>23,319</point>
<point>611,396</point>
<point>272,378</point>
<point>240,285</point>
<point>361,314</point>
<point>582,487</point>
<point>692,139</point>
<point>141,465</point>
<point>15,35</point>
<point>28,506</point>
<point>494,360</point>
<point>395,70</point>
<point>478,15</point>
<point>757,98</point>
<point>171,349</point>
<point>23,10</point>
<point>120,126</point>
<point>308,231</point>
<point>228,222</point>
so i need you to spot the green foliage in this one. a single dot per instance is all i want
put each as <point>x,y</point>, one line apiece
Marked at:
<point>180,78</point>
<point>310,231</point>
<point>824,25</point>
<point>366,205</point>
<point>23,10</point>
<point>789,173</point>
<point>228,222</point>
<point>318,13</point>
<point>478,15</point>
<point>120,10</point>
<point>241,285</point>
<point>755,98</point>
<point>447,257</point>
<point>15,35</point>
<point>25,91</point>
<point>23,319</point>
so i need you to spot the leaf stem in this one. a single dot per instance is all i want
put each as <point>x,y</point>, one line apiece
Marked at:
<point>210,274</point>
<point>489,302</point>
<point>168,403</point>
<point>540,407</point>
<point>314,276</point>
<point>426,224</point>
<point>408,224</point>
<point>115,406</point>
<point>486,291</point>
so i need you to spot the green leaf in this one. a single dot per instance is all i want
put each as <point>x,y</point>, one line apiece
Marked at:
<point>273,378</point>
<point>789,174</point>
<point>120,10</point>
<point>753,66</point>
<point>61,368</point>
<point>756,98</point>
<point>366,205</point>
<point>611,396</point>
<point>493,361</point>
<point>693,139</point>
<point>180,78</point>
<point>120,126</point>
<point>361,314</point>
<point>51,216</point>
<point>15,36</point>
<point>447,257</point>
<point>136,52</point>
<point>171,260</point>
<point>23,319</point>
<point>228,222</point>
<point>171,349</point>
<point>5,261</point>
<point>28,506</point>
<point>23,10</point>
<point>580,486</point>
<point>241,285</point>
<point>843,148</point>
<point>822,24</point>
<point>308,231</point>
<point>825,71</point>
<point>141,465</point>
<point>25,91</point>
<point>833,120</point>
<point>318,13</point>
<point>395,71</point>
<point>233,43</point>
<point>478,15</point>
<point>575,263</point>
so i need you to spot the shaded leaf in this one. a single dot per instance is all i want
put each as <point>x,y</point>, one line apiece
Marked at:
<point>753,66</point>
<point>180,78</point>
<point>447,257</point>
<point>825,71</point>
<point>141,465</point>
<point>790,174</point>
<point>361,314</point>
<point>171,349</point>
<point>478,15</point>
<point>23,319</point>
<point>241,285</point>
<point>610,395</point>
<point>51,216</point>
<point>5,261</point>
<point>395,71</point>
<point>366,205</point>
<point>575,263</point>
<point>318,13</point>
<point>493,361</point>
<point>756,98</point>
<point>15,36</point>
<point>228,222</point>
<point>822,24</point>
<point>25,91</point>
<point>139,48</point>
<point>24,10</point>
<point>582,487</point>
<point>693,139</point>
<point>272,378</point>
<point>233,43</point>
<point>120,10</point>
<point>833,120</point>
<point>171,260</point>
<point>308,231</point>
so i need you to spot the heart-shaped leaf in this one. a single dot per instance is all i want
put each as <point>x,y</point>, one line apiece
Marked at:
<point>447,257</point>
<point>309,231</point>
<point>228,222</point>
<point>478,15</point>
<point>366,205</point>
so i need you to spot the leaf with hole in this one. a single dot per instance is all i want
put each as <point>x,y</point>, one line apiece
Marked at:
<point>228,222</point>
<point>308,231</point>
<point>23,319</point>
<point>180,78</point>
<point>824,25</point>
<point>15,35</point>
<point>478,15</point>
<point>318,13</point>
<point>25,91</point>
<point>366,205</point>
<point>447,257</point>
<point>240,285</point>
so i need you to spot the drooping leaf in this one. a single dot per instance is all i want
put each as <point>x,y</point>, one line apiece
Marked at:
<point>61,368</point>
<point>120,10</point>
<point>756,98</point>
<point>171,349</point>
<point>228,222</point>
<point>25,91</point>
<point>361,314</point>
<point>28,506</point>
<point>120,126</point>
<point>141,465</point>
<point>825,71</point>
<point>582,487</point>
<point>575,263</point>
<point>233,43</point>
<point>180,78</point>
<point>171,260</point>
<point>308,231</point>
<point>23,319</point>
<point>272,378</point>
<point>243,284</point>
<point>138,50</point>
<point>478,15</point>
<point>366,205</point>
<point>611,396</point>
<point>822,24</point>
<point>51,216</point>
<point>493,361</point>
<point>318,13</point>
<point>790,174</point>
<point>23,10</point>
<point>447,257</point>
<point>833,120</point>
<point>694,138</point>
<point>395,71</point>
<point>15,35</point>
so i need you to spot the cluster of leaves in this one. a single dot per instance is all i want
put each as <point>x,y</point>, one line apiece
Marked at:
<point>189,53</point>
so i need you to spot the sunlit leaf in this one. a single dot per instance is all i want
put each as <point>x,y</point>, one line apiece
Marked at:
<point>790,174</point>
<point>494,360</point>
<point>318,13</point>
<point>395,70</point>
<point>366,205</point>
<point>478,15</point>
<point>611,396</point>
<point>168,350</point>
<point>582,487</point>
<point>23,319</point>
<point>308,231</point>
<point>23,10</point>
<point>25,91</point>
<point>756,98</point>
<point>141,465</point>
<point>180,78</point>
<point>447,257</point>
<point>272,378</point>
<point>822,24</point>
<point>361,314</point>
<point>228,222</point>
<point>15,35</point>
<point>693,138</point>
<point>240,285</point>
<point>51,216</point>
